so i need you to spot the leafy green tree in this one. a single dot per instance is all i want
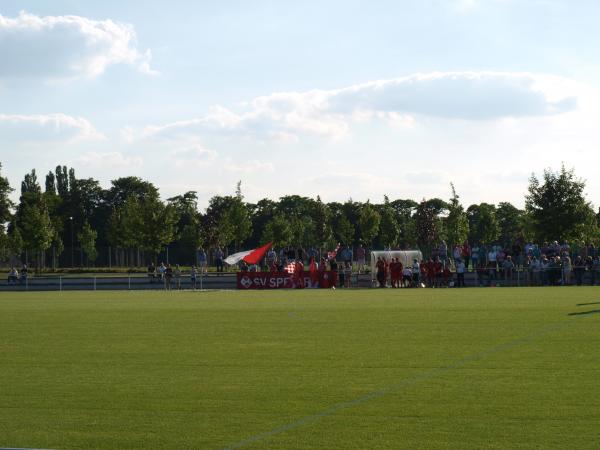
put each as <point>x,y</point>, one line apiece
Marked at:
<point>322,224</point>
<point>511,223</point>
<point>87,238</point>
<point>188,231</point>
<point>33,220</point>
<point>158,224</point>
<point>457,224</point>
<point>5,212</point>
<point>278,231</point>
<point>261,213</point>
<point>483,224</point>
<point>368,223</point>
<point>15,242</point>
<point>428,225</point>
<point>125,229</point>
<point>558,207</point>
<point>404,210</point>
<point>237,218</point>
<point>343,230</point>
<point>126,187</point>
<point>389,230</point>
<point>36,229</point>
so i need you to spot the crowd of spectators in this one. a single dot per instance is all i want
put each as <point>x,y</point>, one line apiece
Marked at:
<point>520,263</point>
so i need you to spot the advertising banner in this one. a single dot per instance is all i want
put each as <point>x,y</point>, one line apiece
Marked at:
<point>284,280</point>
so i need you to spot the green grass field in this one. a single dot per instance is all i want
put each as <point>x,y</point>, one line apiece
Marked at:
<point>362,369</point>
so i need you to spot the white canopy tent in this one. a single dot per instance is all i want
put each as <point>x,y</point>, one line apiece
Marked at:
<point>406,257</point>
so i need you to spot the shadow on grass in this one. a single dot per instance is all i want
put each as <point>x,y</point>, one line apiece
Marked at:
<point>585,304</point>
<point>584,313</point>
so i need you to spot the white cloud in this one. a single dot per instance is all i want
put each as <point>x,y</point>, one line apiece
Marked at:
<point>250,166</point>
<point>59,47</point>
<point>109,160</point>
<point>398,102</point>
<point>46,127</point>
<point>194,155</point>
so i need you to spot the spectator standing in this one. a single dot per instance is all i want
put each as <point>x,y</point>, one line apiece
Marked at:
<point>595,272</point>
<point>509,267</point>
<point>151,272</point>
<point>460,273</point>
<point>168,277</point>
<point>348,274</point>
<point>443,252</point>
<point>466,254</point>
<point>347,255</point>
<point>416,273</point>
<point>177,275</point>
<point>193,276</point>
<point>579,269</point>
<point>24,274</point>
<point>271,256</point>
<point>380,267</point>
<point>457,253</point>
<point>219,260</point>
<point>566,270</point>
<point>361,258</point>
<point>407,276</point>
<point>474,257</point>
<point>202,260</point>
<point>161,271</point>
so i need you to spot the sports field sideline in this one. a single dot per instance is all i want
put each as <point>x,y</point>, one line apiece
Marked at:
<point>356,369</point>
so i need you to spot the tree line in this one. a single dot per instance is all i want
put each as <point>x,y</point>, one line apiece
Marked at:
<point>66,222</point>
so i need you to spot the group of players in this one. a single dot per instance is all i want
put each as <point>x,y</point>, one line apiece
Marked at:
<point>432,273</point>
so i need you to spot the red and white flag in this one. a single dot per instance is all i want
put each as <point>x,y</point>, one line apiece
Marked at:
<point>333,254</point>
<point>250,256</point>
<point>290,268</point>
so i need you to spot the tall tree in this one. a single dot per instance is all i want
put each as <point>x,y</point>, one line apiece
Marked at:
<point>6,204</point>
<point>389,229</point>
<point>278,231</point>
<point>87,237</point>
<point>158,224</point>
<point>343,229</point>
<point>237,216</point>
<point>368,223</point>
<point>558,207</point>
<point>457,224</point>
<point>126,187</point>
<point>483,224</point>
<point>322,223</point>
<point>428,225</point>
<point>32,218</point>
<point>404,210</point>
<point>510,222</point>
<point>188,232</point>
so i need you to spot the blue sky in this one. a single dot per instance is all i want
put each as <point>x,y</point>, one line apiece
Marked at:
<point>342,99</point>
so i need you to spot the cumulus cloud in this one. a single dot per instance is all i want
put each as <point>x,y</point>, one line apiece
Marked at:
<point>59,47</point>
<point>194,155</point>
<point>46,127</point>
<point>109,160</point>
<point>447,95</point>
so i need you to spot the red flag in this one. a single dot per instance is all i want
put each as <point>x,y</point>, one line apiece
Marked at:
<point>255,256</point>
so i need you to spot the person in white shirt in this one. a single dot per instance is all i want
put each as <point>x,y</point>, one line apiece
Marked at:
<point>407,276</point>
<point>416,273</point>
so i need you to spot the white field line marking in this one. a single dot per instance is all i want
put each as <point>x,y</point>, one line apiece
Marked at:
<point>409,381</point>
